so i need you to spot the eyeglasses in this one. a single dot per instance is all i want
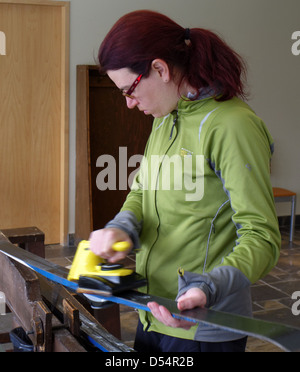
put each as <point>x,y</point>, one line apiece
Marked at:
<point>129,92</point>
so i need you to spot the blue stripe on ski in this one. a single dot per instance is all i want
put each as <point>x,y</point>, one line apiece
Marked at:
<point>74,287</point>
<point>55,278</point>
<point>97,345</point>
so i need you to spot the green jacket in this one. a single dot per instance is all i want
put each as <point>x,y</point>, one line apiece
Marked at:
<point>203,201</point>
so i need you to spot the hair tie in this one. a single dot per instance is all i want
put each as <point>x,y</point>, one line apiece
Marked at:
<point>187,36</point>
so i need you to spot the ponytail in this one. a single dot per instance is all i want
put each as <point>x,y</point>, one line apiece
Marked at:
<point>212,63</point>
<point>203,59</point>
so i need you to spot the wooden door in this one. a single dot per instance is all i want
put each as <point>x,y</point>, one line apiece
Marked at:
<point>34,117</point>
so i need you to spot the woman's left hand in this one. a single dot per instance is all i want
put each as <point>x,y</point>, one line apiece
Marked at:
<point>194,297</point>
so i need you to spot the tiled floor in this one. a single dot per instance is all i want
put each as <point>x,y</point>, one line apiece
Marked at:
<point>272,296</point>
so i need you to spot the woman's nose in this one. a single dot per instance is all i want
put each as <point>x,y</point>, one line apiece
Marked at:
<point>131,102</point>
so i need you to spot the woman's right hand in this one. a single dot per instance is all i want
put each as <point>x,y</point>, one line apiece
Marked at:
<point>101,242</point>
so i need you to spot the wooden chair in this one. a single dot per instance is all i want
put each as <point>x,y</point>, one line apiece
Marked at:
<point>284,195</point>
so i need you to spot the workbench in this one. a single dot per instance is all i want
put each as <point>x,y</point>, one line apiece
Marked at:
<point>54,319</point>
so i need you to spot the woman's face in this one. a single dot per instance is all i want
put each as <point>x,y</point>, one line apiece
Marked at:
<point>155,95</point>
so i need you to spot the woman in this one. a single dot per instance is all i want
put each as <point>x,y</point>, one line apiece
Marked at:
<point>202,199</point>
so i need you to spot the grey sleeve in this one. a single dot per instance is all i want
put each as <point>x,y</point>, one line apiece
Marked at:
<point>217,285</point>
<point>127,222</point>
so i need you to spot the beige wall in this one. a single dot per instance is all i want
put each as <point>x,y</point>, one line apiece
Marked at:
<point>260,30</point>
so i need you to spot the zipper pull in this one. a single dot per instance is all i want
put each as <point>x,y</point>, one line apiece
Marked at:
<point>174,122</point>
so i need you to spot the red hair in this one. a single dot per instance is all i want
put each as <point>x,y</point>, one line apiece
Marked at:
<point>142,36</point>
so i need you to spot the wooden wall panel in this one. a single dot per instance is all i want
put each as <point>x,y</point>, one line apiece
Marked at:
<point>33,119</point>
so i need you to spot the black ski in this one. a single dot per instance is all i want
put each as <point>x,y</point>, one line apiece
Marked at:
<point>283,336</point>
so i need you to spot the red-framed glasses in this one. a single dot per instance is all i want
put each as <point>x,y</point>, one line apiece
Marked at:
<point>129,92</point>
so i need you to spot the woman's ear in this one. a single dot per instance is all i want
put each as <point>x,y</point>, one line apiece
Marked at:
<point>161,67</point>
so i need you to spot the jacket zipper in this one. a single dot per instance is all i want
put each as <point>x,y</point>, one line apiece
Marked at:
<point>170,145</point>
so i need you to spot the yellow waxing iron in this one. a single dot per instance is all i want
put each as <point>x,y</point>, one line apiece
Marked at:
<point>94,275</point>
